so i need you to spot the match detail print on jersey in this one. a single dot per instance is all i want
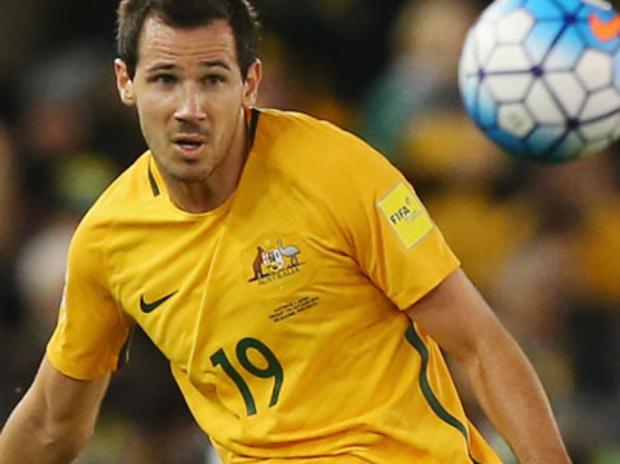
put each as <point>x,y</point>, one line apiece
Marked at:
<point>406,214</point>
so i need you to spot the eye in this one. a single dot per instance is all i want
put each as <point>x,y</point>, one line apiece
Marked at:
<point>164,79</point>
<point>214,79</point>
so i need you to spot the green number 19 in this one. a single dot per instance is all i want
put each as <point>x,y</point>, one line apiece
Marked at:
<point>273,369</point>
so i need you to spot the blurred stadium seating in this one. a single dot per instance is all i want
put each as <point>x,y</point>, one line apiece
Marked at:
<point>542,242</point>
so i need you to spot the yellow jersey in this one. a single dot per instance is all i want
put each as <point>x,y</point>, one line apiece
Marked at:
<point>281,311</point>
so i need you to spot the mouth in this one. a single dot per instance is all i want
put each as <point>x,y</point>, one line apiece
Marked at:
<point>189,145</point>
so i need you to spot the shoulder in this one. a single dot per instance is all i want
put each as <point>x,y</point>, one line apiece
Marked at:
<point>304,148</point>
<point>132,188</point>
<point>128,192</point>
<point>303,132</point>
<point>308,144</point>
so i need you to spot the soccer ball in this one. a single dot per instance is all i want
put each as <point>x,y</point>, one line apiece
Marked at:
<point>541,78</point>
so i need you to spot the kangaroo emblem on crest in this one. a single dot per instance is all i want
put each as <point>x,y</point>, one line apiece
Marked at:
<point>279,261</point>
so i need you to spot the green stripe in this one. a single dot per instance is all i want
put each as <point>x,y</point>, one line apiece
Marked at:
<point>414,339</point>
<point>154,185</point>
<point>252,127</point>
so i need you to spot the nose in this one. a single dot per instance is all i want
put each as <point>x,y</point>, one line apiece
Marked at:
<point>190,108</point>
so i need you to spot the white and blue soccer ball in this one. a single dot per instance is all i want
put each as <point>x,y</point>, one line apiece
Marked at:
<point>541,78</point>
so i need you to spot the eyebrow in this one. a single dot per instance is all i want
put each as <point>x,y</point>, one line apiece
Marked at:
<point>206,64</point>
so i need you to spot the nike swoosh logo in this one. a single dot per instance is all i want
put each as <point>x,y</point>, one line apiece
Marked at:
<point>604,30</point>
<point>150,307</point>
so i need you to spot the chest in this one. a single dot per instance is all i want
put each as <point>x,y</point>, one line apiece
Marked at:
<point>195,287</point>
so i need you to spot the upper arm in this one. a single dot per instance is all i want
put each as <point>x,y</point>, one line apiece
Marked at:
<point>55,418</point>
<point>456,316</point>
<point>66,403</point>
<point>388,231</point>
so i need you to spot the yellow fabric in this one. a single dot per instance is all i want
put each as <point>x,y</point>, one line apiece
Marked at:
<point>290,293</point>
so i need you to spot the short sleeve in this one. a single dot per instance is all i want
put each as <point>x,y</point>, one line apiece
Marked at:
<point>91,329</point>
<point>393,238</point>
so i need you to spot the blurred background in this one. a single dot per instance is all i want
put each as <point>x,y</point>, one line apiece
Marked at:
<point>541,242</point>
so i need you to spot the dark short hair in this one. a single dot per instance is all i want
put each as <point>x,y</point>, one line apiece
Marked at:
<point>188,14</point>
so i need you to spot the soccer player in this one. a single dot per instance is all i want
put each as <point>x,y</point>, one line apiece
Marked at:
<point>288,272</point>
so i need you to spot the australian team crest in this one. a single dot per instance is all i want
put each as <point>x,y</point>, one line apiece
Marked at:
<point>275,263</point>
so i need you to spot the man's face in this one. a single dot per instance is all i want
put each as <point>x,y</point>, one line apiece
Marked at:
<point>190,96</point>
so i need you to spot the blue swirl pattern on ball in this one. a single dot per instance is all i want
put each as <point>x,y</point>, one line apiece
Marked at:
<point>541,78</point>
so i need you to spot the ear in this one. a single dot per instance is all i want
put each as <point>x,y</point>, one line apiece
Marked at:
<point>251,84</point>
<point>124,84</point>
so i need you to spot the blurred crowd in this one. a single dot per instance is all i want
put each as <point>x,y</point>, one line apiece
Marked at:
<point>541,242</point>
